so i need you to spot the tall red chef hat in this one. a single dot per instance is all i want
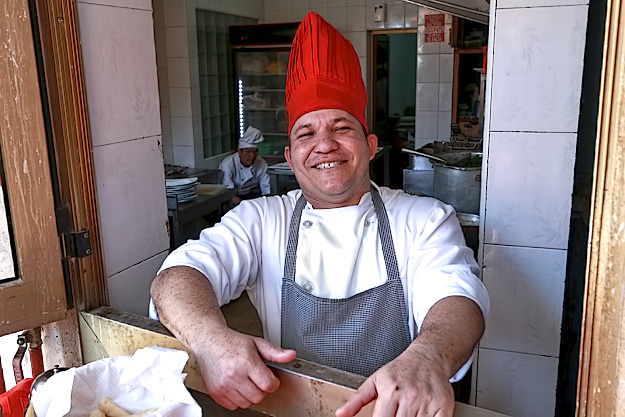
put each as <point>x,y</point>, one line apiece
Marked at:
<point>324,72</point>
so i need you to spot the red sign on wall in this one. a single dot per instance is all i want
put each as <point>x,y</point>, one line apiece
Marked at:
<point>435,28</point>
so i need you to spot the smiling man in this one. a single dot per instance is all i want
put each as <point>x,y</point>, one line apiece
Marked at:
<point>342,272</point>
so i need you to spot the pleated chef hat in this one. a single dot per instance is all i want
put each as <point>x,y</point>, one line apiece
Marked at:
<point>323,73</point>
<point>251,138</point>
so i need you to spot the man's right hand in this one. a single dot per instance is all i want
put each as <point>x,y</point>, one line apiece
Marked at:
<point>232,366</point>
<point>231,363</point>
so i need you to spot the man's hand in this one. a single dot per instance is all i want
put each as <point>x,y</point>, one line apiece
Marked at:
<point>232,366</point>
<point>236,200</point>
<point>414,384</point>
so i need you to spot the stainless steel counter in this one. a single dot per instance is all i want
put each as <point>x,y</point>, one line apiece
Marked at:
<point>212,199</point>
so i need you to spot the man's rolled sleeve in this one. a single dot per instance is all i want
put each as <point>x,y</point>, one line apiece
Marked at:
<point>224,254</point>
<point>448,284</point>
<point>443,266</point>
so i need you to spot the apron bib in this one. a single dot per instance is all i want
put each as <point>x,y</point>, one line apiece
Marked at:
<point>358,334</point>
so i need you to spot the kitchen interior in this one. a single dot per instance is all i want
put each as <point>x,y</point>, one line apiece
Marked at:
<point>429,122</point>
<point>457,118</point>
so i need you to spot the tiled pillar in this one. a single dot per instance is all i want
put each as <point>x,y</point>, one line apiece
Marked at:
<point>536,54</point>
<point>179,61</point>
<point>122,94</point>
<point>435,65</point>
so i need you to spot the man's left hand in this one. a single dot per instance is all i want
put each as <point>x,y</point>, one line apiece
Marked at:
<point>414,384</point>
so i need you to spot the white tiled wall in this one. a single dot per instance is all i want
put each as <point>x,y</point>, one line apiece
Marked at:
<point>136,298</point>
<point>526,286</point>
<point>435,65</point>
<point>119,60</point>
<point>122,93</point>
<point>516,384</point>
<point>131,195</point>
<point>540,51</point>
<point>530,183</point>
<point>160,40</point>
<point>533,93</point>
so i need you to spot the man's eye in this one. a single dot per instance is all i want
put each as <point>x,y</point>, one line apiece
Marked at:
<point>343,128</point>
<point>303,135</point>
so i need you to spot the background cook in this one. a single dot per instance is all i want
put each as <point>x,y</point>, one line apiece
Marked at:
<point>244,171</point>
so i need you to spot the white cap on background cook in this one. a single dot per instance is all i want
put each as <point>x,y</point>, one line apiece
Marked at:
<point>251,138</point>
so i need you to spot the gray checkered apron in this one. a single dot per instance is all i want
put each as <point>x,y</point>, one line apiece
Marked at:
<point>358,334</point>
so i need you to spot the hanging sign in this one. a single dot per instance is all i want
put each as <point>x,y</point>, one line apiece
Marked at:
<point>435,27</point>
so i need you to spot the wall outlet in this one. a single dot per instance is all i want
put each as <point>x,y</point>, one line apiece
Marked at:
<point>379,13</point>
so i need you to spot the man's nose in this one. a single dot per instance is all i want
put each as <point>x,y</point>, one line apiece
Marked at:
<point>326,142</point>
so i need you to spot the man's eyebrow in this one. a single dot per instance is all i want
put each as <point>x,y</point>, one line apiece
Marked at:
<point>342,119</point>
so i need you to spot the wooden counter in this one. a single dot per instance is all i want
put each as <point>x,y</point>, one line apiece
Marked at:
<point>306,389</point>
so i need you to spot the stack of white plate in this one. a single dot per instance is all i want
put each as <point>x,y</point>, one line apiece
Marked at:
<point>184,189</point>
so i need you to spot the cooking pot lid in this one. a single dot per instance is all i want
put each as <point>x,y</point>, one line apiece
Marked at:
<point>460,160</point>
<point>42,378</point>
<point>468,219</point>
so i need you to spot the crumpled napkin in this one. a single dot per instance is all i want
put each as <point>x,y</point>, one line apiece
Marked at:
<point>151,378</point>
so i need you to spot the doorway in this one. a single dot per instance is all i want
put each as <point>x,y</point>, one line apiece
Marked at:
<point>392,104</point>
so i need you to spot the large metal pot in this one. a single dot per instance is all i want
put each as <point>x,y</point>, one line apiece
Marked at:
<point>458,181</point>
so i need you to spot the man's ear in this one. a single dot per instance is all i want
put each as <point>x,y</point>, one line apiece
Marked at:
<point>287,155</point>
<point>372,142</point>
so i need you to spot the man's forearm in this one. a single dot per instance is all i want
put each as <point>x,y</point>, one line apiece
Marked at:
<point>186,304</point>
<point>450,331</point>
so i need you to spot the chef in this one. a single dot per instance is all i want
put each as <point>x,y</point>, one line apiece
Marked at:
<point>245,171</point>
<point>342,272</point>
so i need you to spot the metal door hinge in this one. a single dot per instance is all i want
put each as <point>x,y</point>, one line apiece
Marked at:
<point>77,245</point>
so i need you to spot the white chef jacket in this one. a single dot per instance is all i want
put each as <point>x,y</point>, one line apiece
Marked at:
<point>245,179</point>
<point>339,254</point>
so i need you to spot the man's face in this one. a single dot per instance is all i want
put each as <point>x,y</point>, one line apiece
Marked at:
<point>247,156</point>
<point>329,154</point>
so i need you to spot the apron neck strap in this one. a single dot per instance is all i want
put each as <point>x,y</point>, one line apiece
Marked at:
<point>384,231</point>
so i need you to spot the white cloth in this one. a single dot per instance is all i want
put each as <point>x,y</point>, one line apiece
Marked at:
<point>251,138</point>
<point>245,179</point>
<point>339,254</point>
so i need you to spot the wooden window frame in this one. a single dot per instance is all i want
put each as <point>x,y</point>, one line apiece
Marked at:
<point>38,294</point>
<point>71,133</point>
<point>53,65</point>
<point>602,361</point>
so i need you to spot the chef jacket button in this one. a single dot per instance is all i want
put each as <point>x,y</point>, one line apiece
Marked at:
<point>307,223</point>
<point>367,223</point>
<point>308,287</point>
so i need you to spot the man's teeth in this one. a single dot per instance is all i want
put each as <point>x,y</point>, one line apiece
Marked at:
<point>326,165</point>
